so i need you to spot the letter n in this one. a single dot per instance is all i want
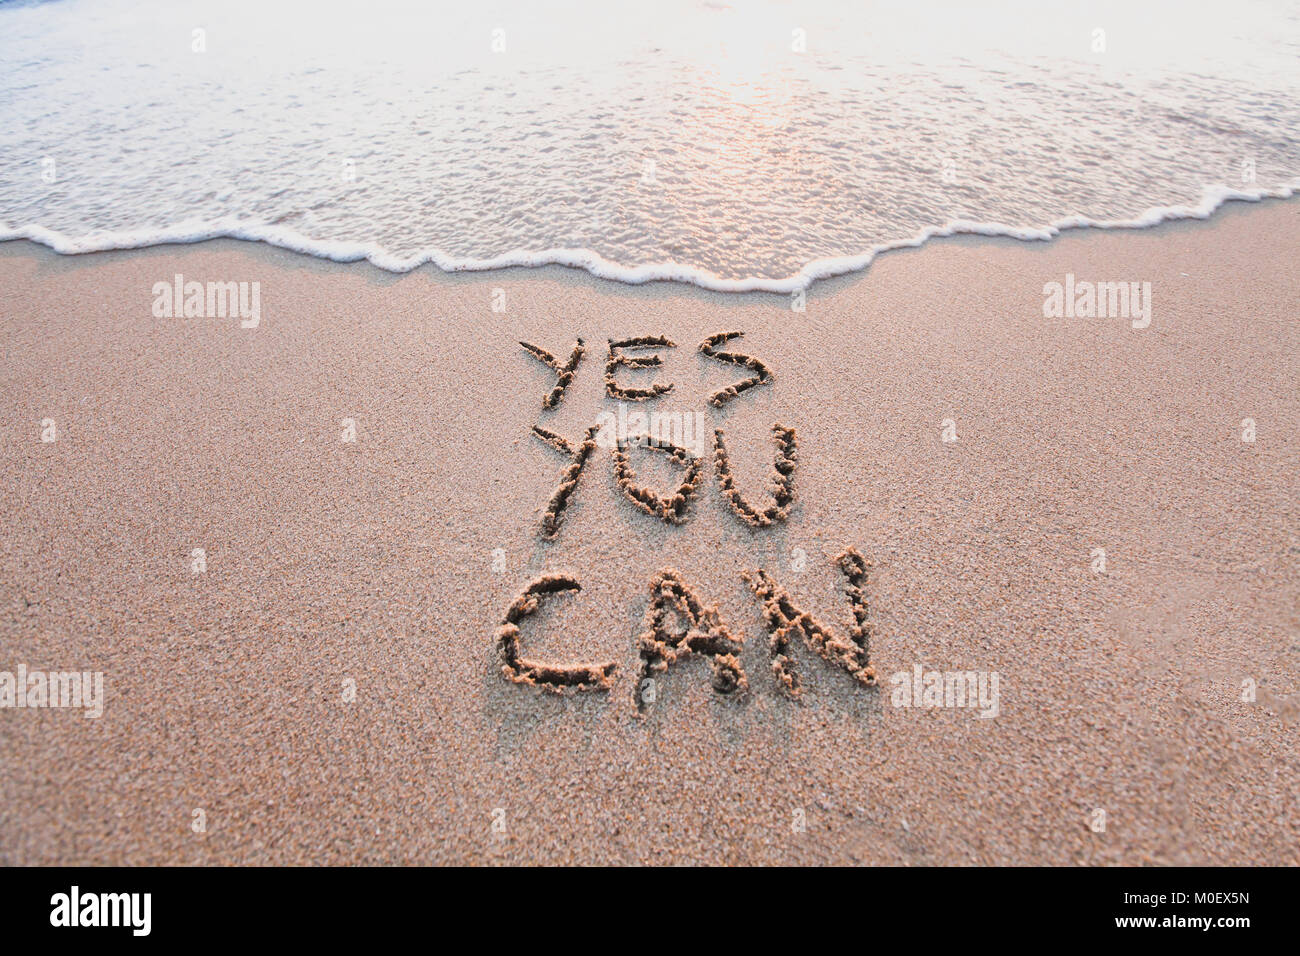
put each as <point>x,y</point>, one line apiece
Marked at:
<point>785,621</point>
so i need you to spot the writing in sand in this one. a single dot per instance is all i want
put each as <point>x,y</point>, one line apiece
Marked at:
<point>677,623</point>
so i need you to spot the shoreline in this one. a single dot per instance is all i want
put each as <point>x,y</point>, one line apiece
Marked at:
<point>1214,199</point>
<point>370,568</point>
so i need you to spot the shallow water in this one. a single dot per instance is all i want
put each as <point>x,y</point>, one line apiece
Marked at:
<point>736,145</point>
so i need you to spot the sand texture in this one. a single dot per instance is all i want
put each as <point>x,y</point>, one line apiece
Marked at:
<point>361,675</point>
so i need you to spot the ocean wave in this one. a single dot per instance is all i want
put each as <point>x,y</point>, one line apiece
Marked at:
<point>1213,197</point>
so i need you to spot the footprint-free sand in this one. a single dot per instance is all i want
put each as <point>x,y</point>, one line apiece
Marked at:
<point>328,690</point>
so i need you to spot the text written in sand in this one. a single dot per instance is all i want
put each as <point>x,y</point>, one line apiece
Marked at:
<point>677,623</point>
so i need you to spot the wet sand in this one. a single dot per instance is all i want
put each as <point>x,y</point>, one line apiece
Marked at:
<point>330,690</point>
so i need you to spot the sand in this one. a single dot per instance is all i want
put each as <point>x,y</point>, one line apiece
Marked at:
<point>329,689</point>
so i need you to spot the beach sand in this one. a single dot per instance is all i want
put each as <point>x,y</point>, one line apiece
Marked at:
<point>374,564</point>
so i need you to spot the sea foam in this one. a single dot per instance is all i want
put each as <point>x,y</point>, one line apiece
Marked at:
<point>730,148</point>
<point>342,251</point>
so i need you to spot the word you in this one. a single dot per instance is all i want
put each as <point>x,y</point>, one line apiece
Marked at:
<point>80,689</point>
<point>215,300</point>
<point>102,909</point>
<point>1098,300</point>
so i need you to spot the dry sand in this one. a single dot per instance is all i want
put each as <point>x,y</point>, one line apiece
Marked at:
<point>372,562</point>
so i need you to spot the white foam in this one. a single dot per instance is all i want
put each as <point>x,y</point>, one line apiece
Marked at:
<point>342,251</point>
